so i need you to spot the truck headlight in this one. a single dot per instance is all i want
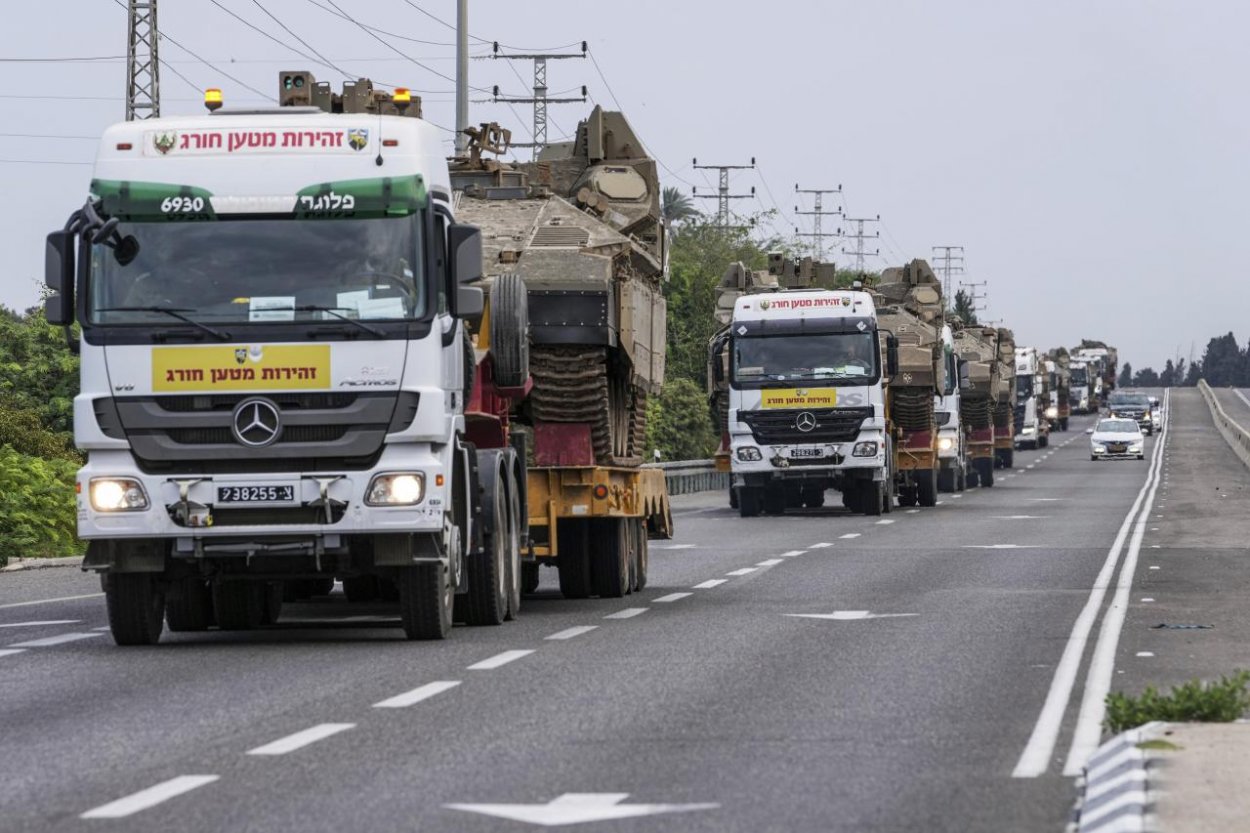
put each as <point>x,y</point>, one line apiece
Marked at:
<point>945,444</point>
<point>1028,429</point>
<point>750,454</point>
<point>867,448</point>
<point>117,494</point>
<point>396,489</point>
<point>1052,412</point>
<point>1146,416</point>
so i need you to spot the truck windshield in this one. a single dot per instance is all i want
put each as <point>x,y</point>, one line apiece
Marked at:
<point>1078,377</point>
<point>262,270</point>
<point>1024,388</point>
<point>851,358</point>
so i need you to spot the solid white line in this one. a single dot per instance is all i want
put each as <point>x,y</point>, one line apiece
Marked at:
<point>150,797</point>
<point>710,583</point>
<point>627,613</point>
<point>1102,663</point>
<point>850,535</point>
<point>742,572</point>
<point>48,641</point>
<point>673,597</point>
<point>37,624</point>
<point>498,660</point>
<point>1035,759</point>
<point>50,601</point>
<point>7,652</point>
<point>770,562</point>
<point>299,740</point>
<point>410,698</point>
<point>569,633</point>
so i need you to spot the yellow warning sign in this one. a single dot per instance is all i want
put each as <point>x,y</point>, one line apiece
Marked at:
<point>800,398</point>
<point>247,367</point>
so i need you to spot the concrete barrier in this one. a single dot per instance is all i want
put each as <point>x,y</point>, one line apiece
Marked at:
<point>1236,436</point>
<point>687,476</point>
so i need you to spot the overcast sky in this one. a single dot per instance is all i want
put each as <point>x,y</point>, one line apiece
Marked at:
<point>1090,157</point>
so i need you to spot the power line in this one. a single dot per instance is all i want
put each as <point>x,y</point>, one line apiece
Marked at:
<point>41,162</point>
<point>859,236</point>
<point>722,195</point>
<point>450,26</point>
<point>76,60</point>
<point>276,40</point>
<point>309,46</point>
<point>540,99</point>
<point>817,214</point>
<point>950,263</point>
<point>46,136</point>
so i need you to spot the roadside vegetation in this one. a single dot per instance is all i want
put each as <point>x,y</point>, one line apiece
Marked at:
<point>1222,701</point>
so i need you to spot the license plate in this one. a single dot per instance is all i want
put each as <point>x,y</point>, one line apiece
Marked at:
<point>256,494</point>
<point>1118,449</point>
<point>807,452</point>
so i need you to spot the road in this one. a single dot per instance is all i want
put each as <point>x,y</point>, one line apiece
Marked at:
<point>818,671</point>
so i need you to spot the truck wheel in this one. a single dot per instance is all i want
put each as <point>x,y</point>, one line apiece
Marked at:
<point>574,558</point>
<point>238,605</point>
<point>875,494</point>
<point>190,607</point>
<point>388,590</point>
<point>514,546</point>
<point>609,564</point>
<point>136,608</point>
<point>360,588</point>
<point>813,497</point>
<point>1063,424</point>
<point>926,487</point>
<point>775,502</point>
<point>529,577</point>
<point>749,500</point>
<point>272,593</point>
<point>733,498</point>
<point>509,330</point>
<point>487,600</point>
<point>642,548</point>
<point>946,480</point>
<point>320,586</point>
<point>985,472</point>
<point>971,477</point>
<point>426,600</point>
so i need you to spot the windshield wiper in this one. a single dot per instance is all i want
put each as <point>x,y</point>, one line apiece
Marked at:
<point>373,331</point>
<point>174,312</point>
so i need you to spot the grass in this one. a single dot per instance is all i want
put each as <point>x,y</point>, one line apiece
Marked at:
<point>1222,701</point>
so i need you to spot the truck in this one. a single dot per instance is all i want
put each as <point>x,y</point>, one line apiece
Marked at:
<point>803,372</point>
<point>1030,404</point>
<point>581,228</point>
<point>1081,388</point>
<point>1058,365</point>
<point>987,385</point>
<point>948,405</point>
<point>1105,359</point>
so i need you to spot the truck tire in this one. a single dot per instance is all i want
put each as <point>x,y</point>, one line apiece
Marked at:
<point>775,502</point>
<point>136,608</point>
<point>509,331</point>
<point>238,605</point>
<point>642,553</point>
<point>320,586</point>
<point>985,472</point>
<point>749,499</point>
<point>1063,424</point>
<point>946,480</point>
<point>876,493</point>
<point>573,559</point>
<point>529,577</point>
<point>486,603</point>
<point>190,607</point>
<point>610,555</point>
<point>972,478</point>
<point>813,497</point>
<point>388,590</point>
<point>272,594</point>
<point>426,600</point>
<point>361,588</point>
<point>926,487</point>
<point>733,498</point>
<point>513,556</point>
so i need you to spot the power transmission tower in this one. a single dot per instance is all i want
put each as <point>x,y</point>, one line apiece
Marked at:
<point>462,75</point>
<point>973,296</point>
<point>143,68</point>
<point>950,262</point>
<point>816,214</point>
<point>722,195</point>
<point>859,236</point>
<point>540,99</point>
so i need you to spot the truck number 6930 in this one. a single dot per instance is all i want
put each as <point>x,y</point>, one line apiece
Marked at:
<point>182,205</point>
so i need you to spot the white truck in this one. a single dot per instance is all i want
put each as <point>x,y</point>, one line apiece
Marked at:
<point>1030,419</point>
<point>1079,392</point>
<point>275,369</point>
<point>806,401</point>
<point>952,445</point>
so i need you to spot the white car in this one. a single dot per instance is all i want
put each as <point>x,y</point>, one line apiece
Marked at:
<point>1117,437</point>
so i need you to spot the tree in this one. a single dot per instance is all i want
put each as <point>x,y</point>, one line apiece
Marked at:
<point>676,207</point>
<point>677,422</point>
<point>1126,377</point>
<point>1179,376</point>
<point>1146,378</point>
<point>1167,378</point>
<point>37,371</point>
<point>1222,362</point>
<point>1193,374</point>
<point>965,307</point>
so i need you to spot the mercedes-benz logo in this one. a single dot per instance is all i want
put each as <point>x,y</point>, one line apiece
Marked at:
<point>256,423</point>
<point>805,421</point>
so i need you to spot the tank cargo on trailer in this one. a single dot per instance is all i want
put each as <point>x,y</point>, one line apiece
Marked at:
<point>985,388</point>
<point>1004,409</point>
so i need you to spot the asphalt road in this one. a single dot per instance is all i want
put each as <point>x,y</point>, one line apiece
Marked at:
<point>912,708</point>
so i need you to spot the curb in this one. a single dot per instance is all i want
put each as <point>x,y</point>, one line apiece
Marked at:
<point>1114,790</point>
<point>19,564</point>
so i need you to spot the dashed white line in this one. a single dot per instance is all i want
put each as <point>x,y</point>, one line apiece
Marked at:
<point>569,633</point>
<point>1145,654</point>
<point>913,511</point>
<point>411,698</point>
<point>710,583</point>
<point>48,641</point>
<point>299,740</point>
<point>499,659</point>
<point>7,652</point>
<point>105,628</point>
<point>673,597</point>
<point>742,571</point>
<point>770,562</point>
<point>50,601</point>
<point>39,624</point>
<point>884,522</point>
<point>793,553</point>
<point>150,797</point>
<point>627,613</point>
<point>956,497</point>
<point>849,535</point>
<point>819,546</point>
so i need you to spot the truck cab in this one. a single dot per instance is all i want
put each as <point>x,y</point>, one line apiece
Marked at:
<point>1029,390</point>
<point>952,451</point>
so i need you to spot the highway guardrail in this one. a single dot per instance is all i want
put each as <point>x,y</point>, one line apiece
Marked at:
<point>1237,437</point>
<point>686,476</point>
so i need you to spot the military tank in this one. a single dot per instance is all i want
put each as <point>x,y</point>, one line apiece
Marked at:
<point>1004,407</point>
<point>581,226</point>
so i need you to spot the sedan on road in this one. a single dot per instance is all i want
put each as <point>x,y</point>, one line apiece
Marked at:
<point>1117,437</point>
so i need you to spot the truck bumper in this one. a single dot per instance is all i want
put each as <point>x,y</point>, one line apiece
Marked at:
<point>806,462</point>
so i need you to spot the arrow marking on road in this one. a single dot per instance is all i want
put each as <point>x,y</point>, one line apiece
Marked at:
<point>577,808</point>
<point>849,615</point>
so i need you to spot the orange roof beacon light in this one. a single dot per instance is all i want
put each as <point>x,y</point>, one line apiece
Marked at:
<point>212,99</point>
<point>401,98</point>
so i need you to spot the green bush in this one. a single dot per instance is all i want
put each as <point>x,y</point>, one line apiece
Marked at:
<point>1222,701</point>
<point>38,515</point>
<point>678,424</point>
<point>23,429</point>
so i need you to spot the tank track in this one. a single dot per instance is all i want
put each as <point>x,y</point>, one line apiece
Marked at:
<point>976,414</point>
<point>1003,415</point>
<point>576,384</point>
<point>912,408</point>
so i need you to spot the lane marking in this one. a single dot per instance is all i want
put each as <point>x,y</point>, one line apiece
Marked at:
<point>1145,654</point>
<point>411,698</point>
<point>1002,546</point>
<point>710,583</point>
<point>48,641</point>
<point>627,613</point>
<point>770,562</point>
<point>39,624</point>
<point>50,601</point>
<point>1148,599</point>
<point>499,659</point>
<point>6,652</point>
<point>819,546</point>
<point>742,572</point>
<point>676,547</point>
<point>938,503</point>
<point>150,797</point>
<point>956,497</point>
<point>849,535</point>
<point>569,633</point>
<point>105,628</point>
<point>672,597</point>
<point>1035,759</point>
<point>912,511</point>
<point>884,522</point>
<point>1020,517</point>
<point>849,615</point>
<point>793,553</point>
<point>299,740</point>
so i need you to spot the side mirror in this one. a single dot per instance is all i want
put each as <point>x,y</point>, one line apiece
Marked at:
<point>891,356</point>
<point>464,244</point>
<point>965,382</point>
<point>58,275</point>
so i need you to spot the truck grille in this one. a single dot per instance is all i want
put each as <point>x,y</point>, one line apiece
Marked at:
<point>1019,417</point>
<point>833,425</point>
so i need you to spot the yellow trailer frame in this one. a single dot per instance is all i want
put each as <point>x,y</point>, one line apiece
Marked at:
<point>585,492</point>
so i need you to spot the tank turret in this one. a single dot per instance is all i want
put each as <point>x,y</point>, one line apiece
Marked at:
<point>909,307</point>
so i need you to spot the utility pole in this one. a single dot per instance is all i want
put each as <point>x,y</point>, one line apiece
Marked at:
<point>722,195</point>
<point>950,262</point>
<point>462,75</point>
<point>539,99</point>
<point>859,237</point>
<point>973,295</point>
<point>816,214</point>
<point>143,75</point>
